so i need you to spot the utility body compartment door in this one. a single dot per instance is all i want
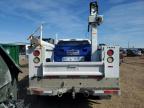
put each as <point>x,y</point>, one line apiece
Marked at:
<point>73,68</point>
<point>111,60</point>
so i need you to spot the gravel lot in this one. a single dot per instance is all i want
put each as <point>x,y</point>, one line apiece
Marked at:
<point>132,91</point>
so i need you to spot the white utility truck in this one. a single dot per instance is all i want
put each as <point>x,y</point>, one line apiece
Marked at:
<point>74,65</point>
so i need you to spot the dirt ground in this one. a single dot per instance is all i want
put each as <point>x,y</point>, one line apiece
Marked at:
<point>132,91</point>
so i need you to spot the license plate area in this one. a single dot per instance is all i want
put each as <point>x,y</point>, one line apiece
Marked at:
<point>72,59</point>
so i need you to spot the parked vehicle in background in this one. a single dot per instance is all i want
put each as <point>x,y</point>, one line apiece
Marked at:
<point>139,53</point>
<point>70,50</point>
<point>142,50</point>
<point>123,52</point>
<point>133,52</point>
<point>121,58</point>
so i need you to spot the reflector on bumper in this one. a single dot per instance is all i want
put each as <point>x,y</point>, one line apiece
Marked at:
<point>107,92</point>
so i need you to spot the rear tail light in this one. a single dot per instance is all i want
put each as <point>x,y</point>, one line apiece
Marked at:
<point>111,91</point>
<point>110,59</point>
<point>110,52</point>
<point>36,53</point>
<point>37,91</point>
<point>36,60</point>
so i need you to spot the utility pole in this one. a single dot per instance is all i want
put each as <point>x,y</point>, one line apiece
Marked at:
<point>128,45</point>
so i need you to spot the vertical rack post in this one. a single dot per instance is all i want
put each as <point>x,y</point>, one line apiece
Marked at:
<point>94,21</point>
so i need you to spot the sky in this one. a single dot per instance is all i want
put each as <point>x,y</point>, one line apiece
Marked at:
<point>123,20</point>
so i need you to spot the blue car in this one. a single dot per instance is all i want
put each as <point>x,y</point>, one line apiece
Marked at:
<point>72,51</point>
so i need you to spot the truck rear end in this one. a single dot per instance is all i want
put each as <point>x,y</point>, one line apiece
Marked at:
<point>74,66</point>
<point>47,77</point>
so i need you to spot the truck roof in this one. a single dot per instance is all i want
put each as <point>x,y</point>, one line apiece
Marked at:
<point>74,40</point>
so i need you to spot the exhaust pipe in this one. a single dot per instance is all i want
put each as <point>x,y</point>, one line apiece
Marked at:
<point>60,94</point>
<point>86,94</point>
